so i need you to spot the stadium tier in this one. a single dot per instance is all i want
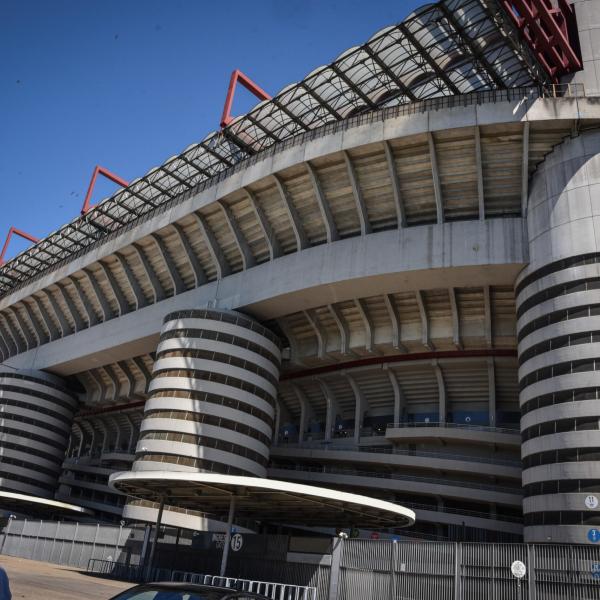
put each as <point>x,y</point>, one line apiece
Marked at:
<point>384,279</point>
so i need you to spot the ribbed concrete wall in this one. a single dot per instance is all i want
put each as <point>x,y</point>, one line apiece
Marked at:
<point>558,310</point>
<point>36,412</point>
<point>212,397</point>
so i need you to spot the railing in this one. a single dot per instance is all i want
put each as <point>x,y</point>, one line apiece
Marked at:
<point>394,451</point>
<point>275,591</point>
<point>115,570</point>
<point>461,512</point>
<point>431,104</point>
<point>272,590</point>
<point>466,426</point>
<point>401,477</point>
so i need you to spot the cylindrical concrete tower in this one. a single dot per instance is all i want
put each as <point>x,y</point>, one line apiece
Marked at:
<point>558,310</point>
<point>36,412</point>
<point>212,397</point>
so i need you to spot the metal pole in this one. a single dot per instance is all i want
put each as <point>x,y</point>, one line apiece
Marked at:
<point>457,569</point>
<point>6,532</point>
<point>73,543</point>
<point>118,542</point>
<point>155,538</point>
<point>227,541</point>
<point>531,572</point>
<point>334,572</point>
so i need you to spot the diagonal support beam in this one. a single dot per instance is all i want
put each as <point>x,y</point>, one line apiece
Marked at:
<point>343,328</point>
<point>319,332</point>
<point>456,339</point>
<point>115,289</point>
<point>157,288</point>
<point>479,172</point>
<point>488,319</point>
<point>435,173</point>
<point>132,282</point>
<point>22,328</point>
<point>176,280</point>
<point>390,305</point>
<point>367,323</point>
<point>53,331</point>
<point>92,317</point>
<point>240,241</point>
<point>397,194</point>
<point>220,262</point>
<point>107,312</point>
<point>75,314</point>
<point>361,208</point>
<point>296,223</point>
<point>330,226</point>
<point>199,274</point>
<point>62,319</point>
<point>425,339</point>
<point>265,226</point>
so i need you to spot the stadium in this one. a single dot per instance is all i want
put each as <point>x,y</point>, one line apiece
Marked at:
<point>382,279</point>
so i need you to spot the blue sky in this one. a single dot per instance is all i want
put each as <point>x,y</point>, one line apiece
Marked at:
<point>128,83</point>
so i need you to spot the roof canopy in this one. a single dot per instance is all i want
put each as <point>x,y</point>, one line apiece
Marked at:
<point>448,48</point>
<point>37,505</point>
<point>261,499</point>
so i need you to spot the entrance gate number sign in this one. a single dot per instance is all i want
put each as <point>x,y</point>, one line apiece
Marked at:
<point>237,541</point>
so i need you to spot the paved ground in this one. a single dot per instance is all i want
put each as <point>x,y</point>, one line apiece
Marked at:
<point>33,580</point>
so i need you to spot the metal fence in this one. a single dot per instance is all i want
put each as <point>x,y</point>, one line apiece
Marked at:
<point>72,544</point>
<point>353,569</point>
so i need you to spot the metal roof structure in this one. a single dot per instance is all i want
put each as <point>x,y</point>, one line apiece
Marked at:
<point>443,49</point>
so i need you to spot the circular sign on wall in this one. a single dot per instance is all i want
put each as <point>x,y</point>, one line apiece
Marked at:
<point>594,535</point>
<point>591,502</point>
<point>518,569</point>
<point>237,541</point>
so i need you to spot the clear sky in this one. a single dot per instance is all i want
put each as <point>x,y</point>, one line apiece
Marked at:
<point>128,83</point>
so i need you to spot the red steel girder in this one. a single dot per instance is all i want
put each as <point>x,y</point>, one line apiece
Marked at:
<point>98,170</point>
<point>238,76</point>
<point>14,231</point>
<point>546,30</point>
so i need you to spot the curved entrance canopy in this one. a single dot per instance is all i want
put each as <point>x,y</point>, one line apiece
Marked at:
<point>262,499</point>
<point>11,501</point>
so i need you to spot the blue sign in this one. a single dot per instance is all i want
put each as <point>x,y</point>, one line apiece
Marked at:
<point>595,570</point>
<point>594,535</point>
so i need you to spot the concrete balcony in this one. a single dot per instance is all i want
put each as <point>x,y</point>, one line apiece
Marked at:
<point>458,432</point>
<point>428,461</point>
<point>435,486</point>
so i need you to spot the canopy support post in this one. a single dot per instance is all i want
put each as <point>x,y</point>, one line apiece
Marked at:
<point>227,541</point>
<point>155,538</point>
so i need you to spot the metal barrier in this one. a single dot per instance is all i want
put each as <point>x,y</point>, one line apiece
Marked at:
<point>275,591</point>
<point>115,570</point>
<point>356,569</point>
<point>465,426</point>
<point>270,589</point>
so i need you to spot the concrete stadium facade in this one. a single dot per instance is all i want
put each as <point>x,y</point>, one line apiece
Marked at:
<point>403,303</point>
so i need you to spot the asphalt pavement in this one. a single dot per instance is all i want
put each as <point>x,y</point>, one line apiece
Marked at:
<point>30,579</point>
